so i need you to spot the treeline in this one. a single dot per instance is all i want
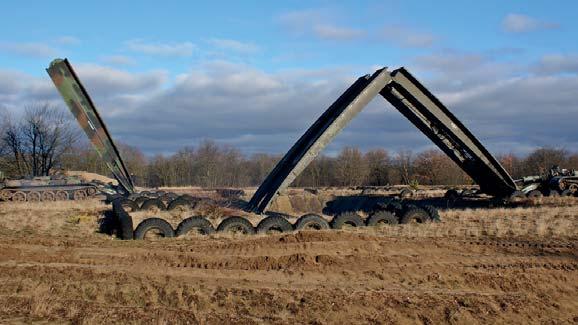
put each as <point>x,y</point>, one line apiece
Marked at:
<point>213,165</point>
<point>45,140</point>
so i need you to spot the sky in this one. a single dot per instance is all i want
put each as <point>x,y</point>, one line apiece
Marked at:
<point>256,74</point>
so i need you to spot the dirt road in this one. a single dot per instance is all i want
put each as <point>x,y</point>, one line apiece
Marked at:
<point>475,267</point>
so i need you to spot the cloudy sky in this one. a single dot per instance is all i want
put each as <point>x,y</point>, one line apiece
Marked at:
<point>256,74</point>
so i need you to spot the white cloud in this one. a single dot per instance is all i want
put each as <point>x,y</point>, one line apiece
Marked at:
<point>331,32</point>
<point>118,60</point>
<point>518,23</point>
<point>162,49</point>
<point>67,40</point>
<point>31,49</point>
<point>557,63</point>
<point>258,111</point>
<point>408,37</point>
<point>234,45</point>
<point>319,23</point>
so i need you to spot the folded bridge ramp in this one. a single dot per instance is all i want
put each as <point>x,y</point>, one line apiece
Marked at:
<point>418,105</point>
<point>83,109</point>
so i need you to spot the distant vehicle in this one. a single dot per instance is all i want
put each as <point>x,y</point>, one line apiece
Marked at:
<point>47,188</point>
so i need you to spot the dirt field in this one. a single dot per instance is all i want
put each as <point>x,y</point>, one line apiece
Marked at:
<point>477,266</point>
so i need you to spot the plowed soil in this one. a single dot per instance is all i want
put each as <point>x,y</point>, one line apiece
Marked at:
<point>477,266</point>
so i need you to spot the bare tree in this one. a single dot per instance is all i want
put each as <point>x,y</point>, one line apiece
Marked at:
<point>351,168</point>
<point>378,167</point>
<point>38,142</point>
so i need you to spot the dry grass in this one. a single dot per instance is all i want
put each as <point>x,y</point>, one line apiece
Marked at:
<point>71,218</point>
<point>477,266</point>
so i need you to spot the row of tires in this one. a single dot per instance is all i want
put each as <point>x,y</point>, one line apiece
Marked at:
<point>274,223</point>
<point>517,195</point>
<point>143,203</point>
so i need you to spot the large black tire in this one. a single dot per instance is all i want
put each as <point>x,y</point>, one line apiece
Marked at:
<point>347,218</point>
<point>517,197</point>
<point>433,213</point>
<point>236,224</point>
<point>188,197</point>
<point>153,203</point>
<point>273,223</point>
<point>382,218</point>
<point>552,193</point>
<point>414,214</point>
<point>127,204</point>
<point>180,203</point>
<point>140,200</point>
<point>535,194</point>
<point>164,228</point>
<point>394,207</point>
<point>452,195</point>
<point>200,223</point>
<point>311,221</point>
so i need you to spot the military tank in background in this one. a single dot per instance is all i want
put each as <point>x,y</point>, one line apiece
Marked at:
<point>47,188</point>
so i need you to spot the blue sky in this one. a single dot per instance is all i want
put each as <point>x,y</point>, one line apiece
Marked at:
<point>255,74</point>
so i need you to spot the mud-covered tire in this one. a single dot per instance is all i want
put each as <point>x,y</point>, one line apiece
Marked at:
<point>19,196</point>
<point>274,223</point>
<point>432,212</point>
<point>91,191</point>
<point>552,193</point>
<point>151,204</point>
<point>140,200</point>
<point>394,207</point>
<point>188,197</point>
<point>535,194</point>
<point>311,222</point>
<point>517,197</point>
<point>180,203</point>
<point>405,193</point>
<point>5,195</point>
<point>347,218</point>
<point>202,224</point>
<point>48,196</point>
<point>417,215</point>
<point>127,204</point>
<point>168,196</point>
<point>79,195</point>
<point>62,196</point>
<point>451,195</point>
<point>33,196</point>
<point>566,193</point>
<point>236,224</point>
<point>162,226</point>
<point>381,218</point>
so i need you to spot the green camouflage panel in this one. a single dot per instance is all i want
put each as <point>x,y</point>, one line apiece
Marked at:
<point>85,112</point>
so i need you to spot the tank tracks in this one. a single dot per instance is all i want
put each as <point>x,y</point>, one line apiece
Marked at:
<point>381,214</point>
<point>47,195</point>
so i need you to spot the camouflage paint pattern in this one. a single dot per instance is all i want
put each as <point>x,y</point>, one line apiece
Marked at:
<point>83,109</point>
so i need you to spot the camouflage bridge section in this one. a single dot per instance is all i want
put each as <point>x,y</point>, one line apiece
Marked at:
<point>80,104</point>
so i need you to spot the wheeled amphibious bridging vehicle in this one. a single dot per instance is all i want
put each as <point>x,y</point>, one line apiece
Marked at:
<point>398,87</point>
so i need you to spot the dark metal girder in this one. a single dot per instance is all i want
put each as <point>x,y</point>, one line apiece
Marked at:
<point>431,117</point>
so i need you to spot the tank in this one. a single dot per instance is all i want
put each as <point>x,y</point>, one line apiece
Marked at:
<point>47,188</point>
